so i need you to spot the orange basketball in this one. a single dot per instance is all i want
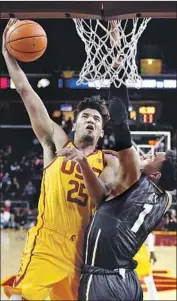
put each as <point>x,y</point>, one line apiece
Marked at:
<point>26,41</point>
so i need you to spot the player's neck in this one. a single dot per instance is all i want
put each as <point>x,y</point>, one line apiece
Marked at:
<point>86,147</point>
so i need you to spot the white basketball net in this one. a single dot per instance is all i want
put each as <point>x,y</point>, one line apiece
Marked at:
<point>107,46</point>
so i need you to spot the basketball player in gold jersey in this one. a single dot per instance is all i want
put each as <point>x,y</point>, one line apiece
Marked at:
<point>52,257</point>
<point>145,258</point>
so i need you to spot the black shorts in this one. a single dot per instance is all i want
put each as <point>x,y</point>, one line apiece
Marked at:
<point>100,284</point>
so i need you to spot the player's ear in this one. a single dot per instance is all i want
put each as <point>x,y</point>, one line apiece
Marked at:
<point>102,134</point>
<point>155,175</point>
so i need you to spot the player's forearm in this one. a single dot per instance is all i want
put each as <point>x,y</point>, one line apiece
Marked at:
<point>118,109</point>
<point>16,73</point>
<point>127,155</point>
<point>122,136</point>
<point>95,187</point>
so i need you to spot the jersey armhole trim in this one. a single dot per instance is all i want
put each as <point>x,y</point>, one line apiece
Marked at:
<point>169,201</point>
<point>103,158</point>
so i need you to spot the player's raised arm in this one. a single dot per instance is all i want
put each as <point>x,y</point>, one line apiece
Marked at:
<point>44,128</point>
<point>129,168</point>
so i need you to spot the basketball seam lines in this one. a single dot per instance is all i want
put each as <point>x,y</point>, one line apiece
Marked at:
<point>26,38</point>
<point>20,26</point>
<point>25,51</point>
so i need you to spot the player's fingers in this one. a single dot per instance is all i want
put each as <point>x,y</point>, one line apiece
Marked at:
<point>63,152</point>
<point>14,20</point>
<point>70,157</point>
<point>9,24</point>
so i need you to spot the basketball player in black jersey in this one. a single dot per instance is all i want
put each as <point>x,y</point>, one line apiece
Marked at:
<point>122,222</point>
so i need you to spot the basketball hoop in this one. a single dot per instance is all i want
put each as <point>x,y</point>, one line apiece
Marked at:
<point>111,51</point>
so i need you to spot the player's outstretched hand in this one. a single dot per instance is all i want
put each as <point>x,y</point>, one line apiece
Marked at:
<point>8,26</point>
<point>71,153</point>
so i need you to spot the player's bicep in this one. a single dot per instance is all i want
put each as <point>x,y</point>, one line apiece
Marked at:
<point>39,117</point>
<point>129,164</point>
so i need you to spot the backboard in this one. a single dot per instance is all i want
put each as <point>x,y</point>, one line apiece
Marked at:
<point>107,10</point>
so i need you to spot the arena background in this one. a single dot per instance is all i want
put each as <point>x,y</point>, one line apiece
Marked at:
<point>153,109</point>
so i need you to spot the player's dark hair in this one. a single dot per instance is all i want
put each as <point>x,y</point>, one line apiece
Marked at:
<point>168,172</point>
<point>96,103</point>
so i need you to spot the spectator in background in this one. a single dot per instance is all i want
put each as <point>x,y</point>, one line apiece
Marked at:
<point>20,219</point>
<point>1,172</point>
<point>106,142</point>
<point>6,182</point>
<point>60,118</point>
<point>111,141</point>
<point>9,148</point>
<point>2,221</point>
<point>7,151</point>
<point>68,125</point>
<point>170,220</point>
<point>23,159</point>
<point>37,164</point>
<point>1,153</point>
<point>27,163</point>
<point>6,178</point>
<point>15,167</point>
<point>14,187</point>
<point>6,165</point>
<point>7,215</point>
<point>29,189</point>
<point>25,166</point>
<point>30,192</point>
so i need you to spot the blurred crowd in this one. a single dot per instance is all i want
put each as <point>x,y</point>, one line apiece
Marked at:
<point>20,178</point>
<point>19,186</point>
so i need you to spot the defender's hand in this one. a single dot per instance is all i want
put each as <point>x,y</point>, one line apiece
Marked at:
<point>71,153</point>
<point>8,26</point>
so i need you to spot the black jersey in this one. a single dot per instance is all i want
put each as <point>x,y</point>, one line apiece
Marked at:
<point>121,225</point>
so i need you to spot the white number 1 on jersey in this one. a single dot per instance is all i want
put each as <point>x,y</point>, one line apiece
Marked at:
<point>141,217</point>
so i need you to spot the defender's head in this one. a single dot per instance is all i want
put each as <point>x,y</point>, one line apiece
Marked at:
<point>90,117</point>
<point>161,168</point>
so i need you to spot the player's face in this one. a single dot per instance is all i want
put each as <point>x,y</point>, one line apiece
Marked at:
<point>152,163</point>
<point>89,125</point>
